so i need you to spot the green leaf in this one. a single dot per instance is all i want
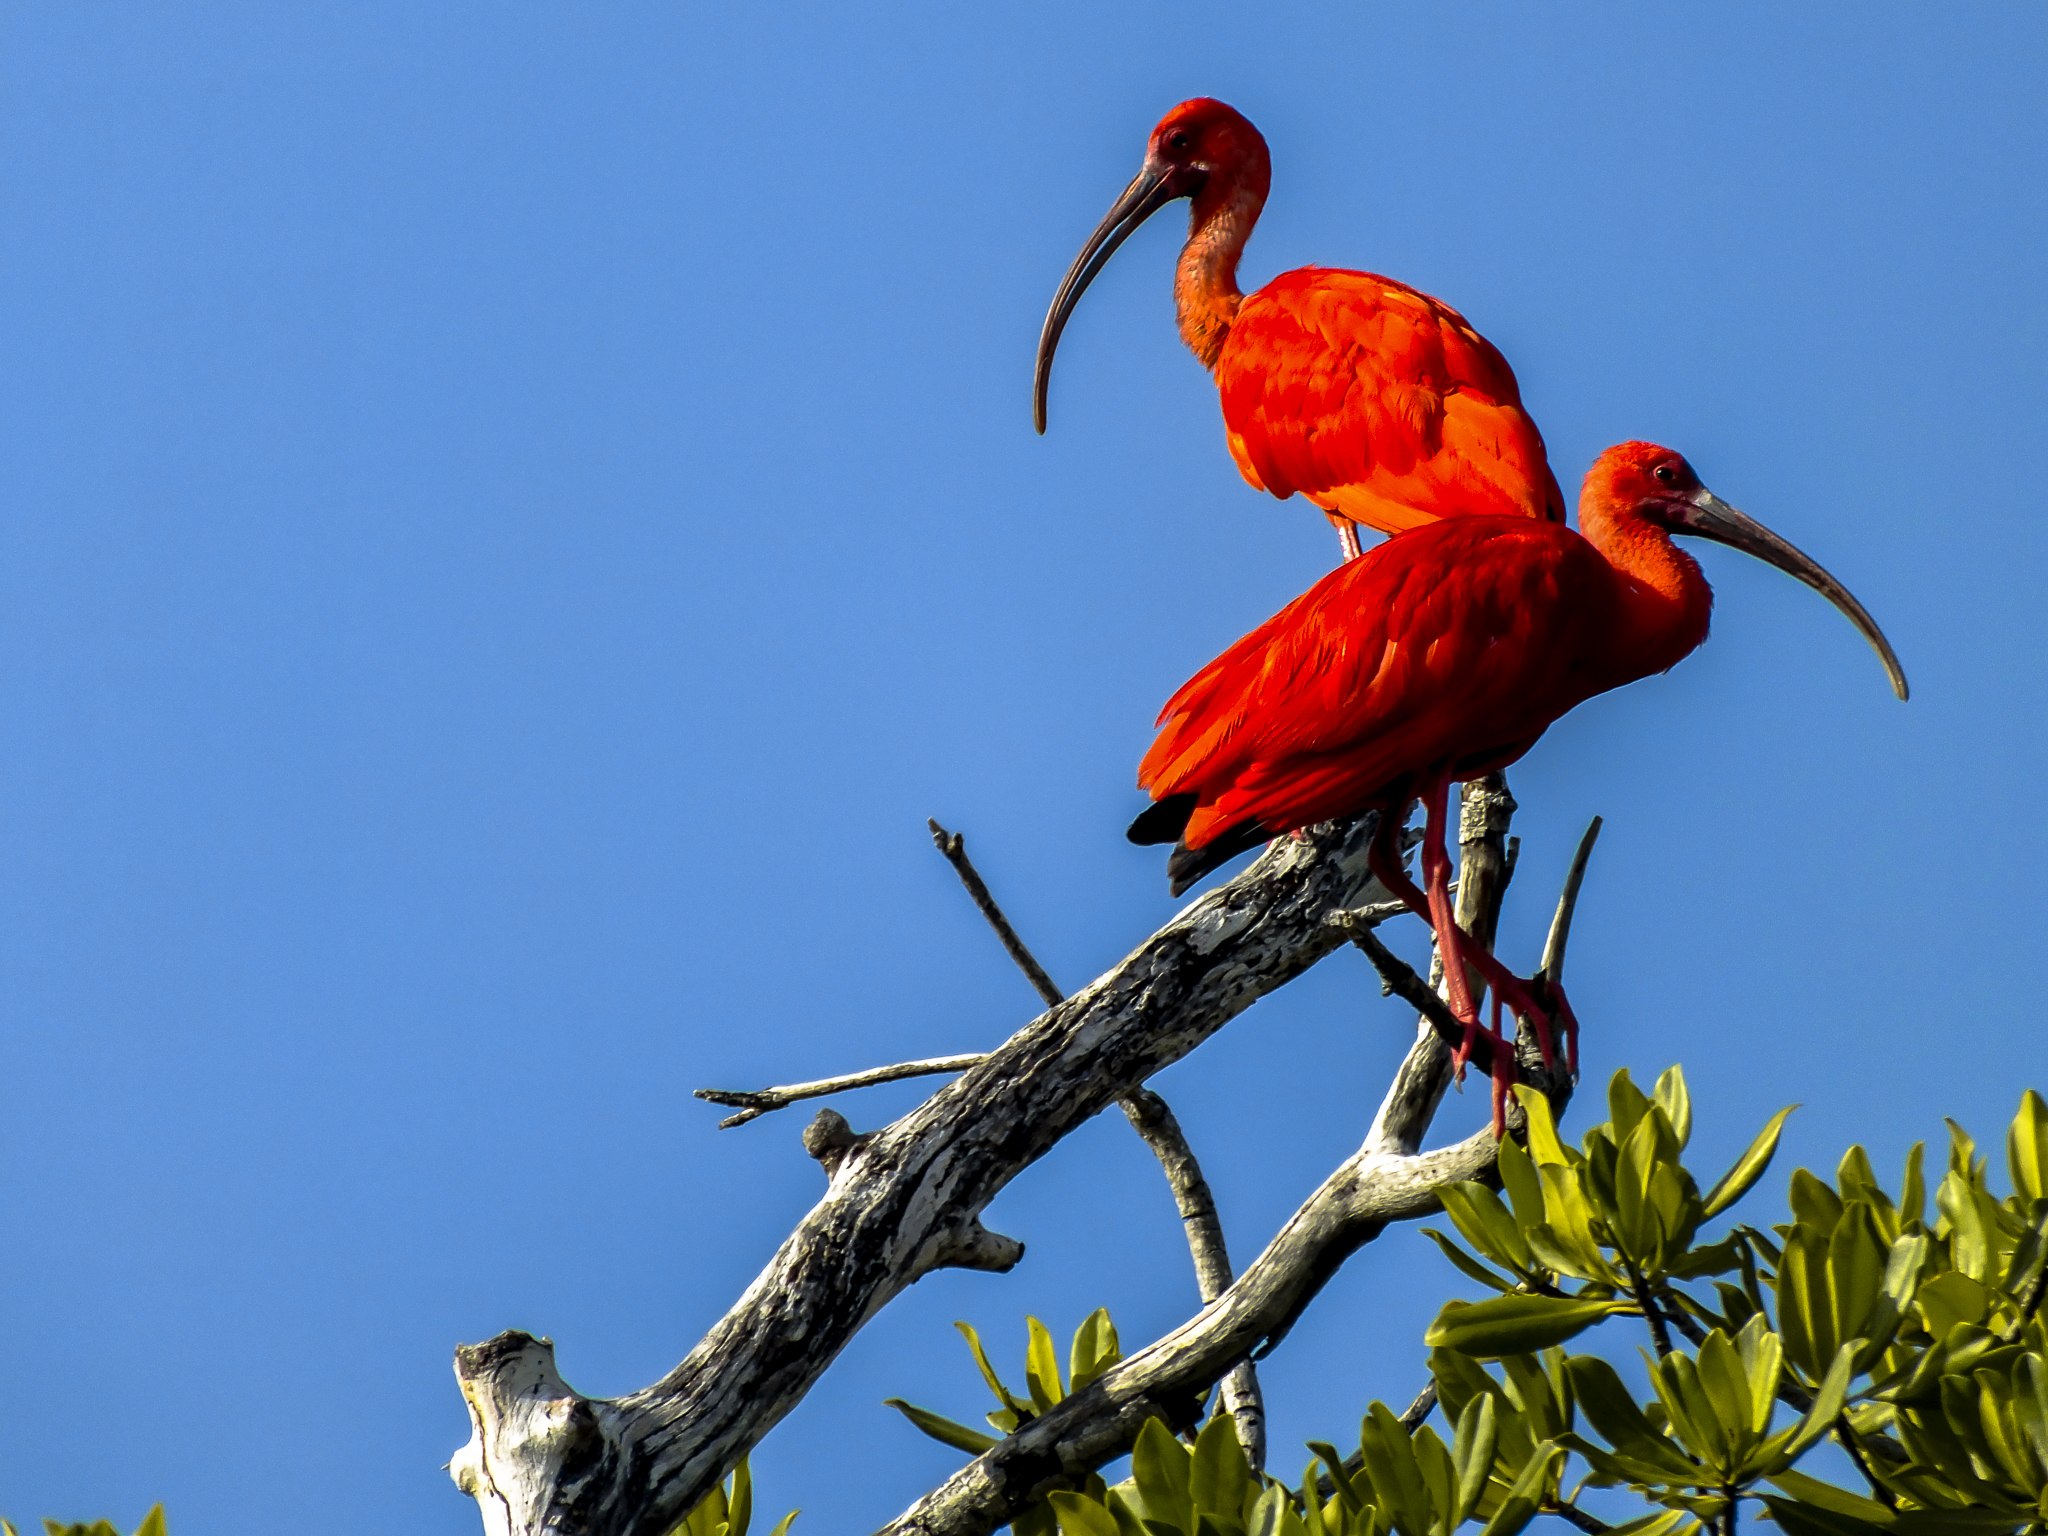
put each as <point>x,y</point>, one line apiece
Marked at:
<point>2026,1148</point>
<point>988,1372</point>
<point>1518,1178</point>
<point>1094,1351</point>
<point>1472,1454</point>
<point>1466,1265</point>
<point>1952,1299</point>
<point>1391,1464</point>
<point>1694,1419</point>
<point>1544,1147</point>
<point>942,1429</point>
<point>1669,1523</point>
<point>1626,1104</point>
<point>1566,1241</point>
<point>1333,1463</point>
<point>1082,1516</point>
<point>1484,1222</point>
<point>1042,1366</point>
<point>782,1526</point>
<point>1526,1493</point>
<point>739,1502</point>
<point>1913,1188</point>
<point>1749,1167</point>
<point>1514,1325</point>
<point>1610,1408</point>
<point>1634,1223</point>
<point>1273,1514</point>
<point>153,1522</point>
<point>1725,1380</point>
<point>1221,1476</point>
<point>1828,1399</point>
<point>1676,1101</point>
<point>1160,1466</point>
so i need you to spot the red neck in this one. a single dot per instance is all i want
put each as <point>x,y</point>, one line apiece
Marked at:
<point>1662,601</point>
<point>1205,287</point>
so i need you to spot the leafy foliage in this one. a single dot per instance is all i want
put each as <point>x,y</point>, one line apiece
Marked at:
<point>728,1510</point>
<point>1905,1330</point>
<point>1094,1350</point>
<point>152,1525</point>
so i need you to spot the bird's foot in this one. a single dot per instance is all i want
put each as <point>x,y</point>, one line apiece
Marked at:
<point>1521,996</point>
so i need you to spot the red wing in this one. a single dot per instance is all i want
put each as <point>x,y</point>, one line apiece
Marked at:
<point>1412,657</point>
<point>1378,403</point>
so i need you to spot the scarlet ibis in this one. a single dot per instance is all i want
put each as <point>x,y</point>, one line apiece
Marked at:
<point>1442,654</point>
<point>1378,403</point>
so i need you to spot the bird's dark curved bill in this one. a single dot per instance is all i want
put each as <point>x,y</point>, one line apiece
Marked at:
<point>1708,516</point>
<point>1151,190</point>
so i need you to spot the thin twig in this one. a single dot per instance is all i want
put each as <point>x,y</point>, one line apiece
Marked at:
<point>1153,1121</point>
<point>752,1104</point>
<point>1647,1300</point>
<point>1552,968</point>
<point>1400,979</point>
<point>954,847</point>
<point>1850,1441</point>
<point>1425,1400</point>
<point>1571,1514</point>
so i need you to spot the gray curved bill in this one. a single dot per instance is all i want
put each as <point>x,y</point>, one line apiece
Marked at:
<point>1151,190</point>
<point>1708,516</point>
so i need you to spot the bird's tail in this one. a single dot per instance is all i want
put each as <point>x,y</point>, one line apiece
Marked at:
<point>1166,821</point>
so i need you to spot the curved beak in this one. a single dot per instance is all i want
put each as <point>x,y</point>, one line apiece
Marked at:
<point>1154,187</point>
<point>1708,516</point>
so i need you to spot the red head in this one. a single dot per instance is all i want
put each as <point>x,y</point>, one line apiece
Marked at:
<point>1643,483</point>
<point>1201,150</point>
<point>1210,152</point>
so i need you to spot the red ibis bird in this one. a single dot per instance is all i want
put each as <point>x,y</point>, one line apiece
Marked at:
<point>1442,654</point>
<point>1378,403</point>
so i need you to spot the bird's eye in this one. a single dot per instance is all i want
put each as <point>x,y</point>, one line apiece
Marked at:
<point>1178,140</point>
<point>1666,475</point>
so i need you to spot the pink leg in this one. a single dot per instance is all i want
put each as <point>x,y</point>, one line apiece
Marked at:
<point>1519,996</point>
<point>1503,1071</point>
<point>1383,858</point>
<point>1347,537</point>
<point>1570,1021</point>
<point>1450,938</point>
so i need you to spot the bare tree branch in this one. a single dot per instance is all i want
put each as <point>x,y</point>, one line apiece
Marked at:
<point>954,847</point>
<point>1166,1379</point>
<point>752,1104</point>
<point>1148,1114</point>
<point>1161,1131</point>
<point>901,1202</point>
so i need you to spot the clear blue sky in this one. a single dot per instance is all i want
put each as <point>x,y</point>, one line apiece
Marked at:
<point>511,517</point>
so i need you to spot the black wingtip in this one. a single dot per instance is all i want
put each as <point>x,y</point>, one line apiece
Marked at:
<point>1187,865</point>
<point>1163,821</point>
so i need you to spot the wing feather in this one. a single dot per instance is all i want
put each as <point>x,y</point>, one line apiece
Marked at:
<point>1378,403</point>
<point>1407,660</point>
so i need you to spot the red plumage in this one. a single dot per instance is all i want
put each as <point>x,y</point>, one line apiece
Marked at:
<point>1447,649</point>
<point>1380,404</point>
<point>1439,655</point>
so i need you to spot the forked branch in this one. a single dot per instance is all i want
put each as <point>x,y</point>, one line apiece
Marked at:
<point>901,1202</point>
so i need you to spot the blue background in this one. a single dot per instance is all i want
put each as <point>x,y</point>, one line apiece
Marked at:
<point>513,515</point>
